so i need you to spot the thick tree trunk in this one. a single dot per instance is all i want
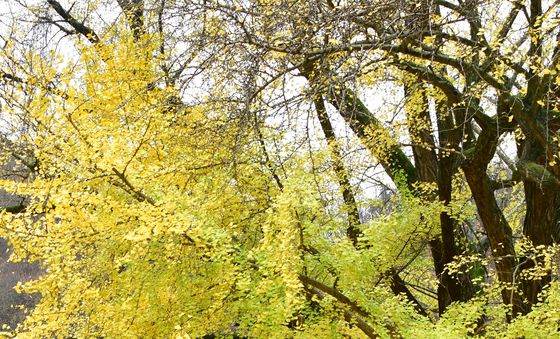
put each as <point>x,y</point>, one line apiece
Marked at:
<point>134,11</point>
<point>496,226</point>
<point>499,235</point>
<point>541,226</point>
<point>443,250</point>
<point>460,286</point>
<point>439,171</point>
<point>542,219</point>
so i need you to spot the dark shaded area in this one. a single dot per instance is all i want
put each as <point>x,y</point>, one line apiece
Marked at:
<point>12,304</point>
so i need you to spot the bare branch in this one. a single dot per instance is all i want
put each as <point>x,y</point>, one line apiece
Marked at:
<point>78,26</point>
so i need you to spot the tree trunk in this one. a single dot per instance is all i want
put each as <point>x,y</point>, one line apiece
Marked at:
<point>496,226</point>
<point>439,171</point>
<point>542,219</point>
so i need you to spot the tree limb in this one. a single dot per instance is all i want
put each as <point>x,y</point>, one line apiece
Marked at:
<point>140,196</point>
<point>78,26</point>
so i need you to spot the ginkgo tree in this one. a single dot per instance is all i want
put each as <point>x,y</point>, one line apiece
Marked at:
<point>203,168</point>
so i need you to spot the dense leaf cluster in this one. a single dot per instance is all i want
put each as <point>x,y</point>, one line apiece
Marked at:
<point>284,168</point>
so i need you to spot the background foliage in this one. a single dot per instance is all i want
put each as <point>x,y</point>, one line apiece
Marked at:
<point>284,168</point>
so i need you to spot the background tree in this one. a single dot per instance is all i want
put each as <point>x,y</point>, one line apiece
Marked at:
<point>200,166</point>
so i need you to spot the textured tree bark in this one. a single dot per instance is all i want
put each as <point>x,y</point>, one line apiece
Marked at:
<point>496,226</point>
<point>134,11</point>
<point>439,171</point>
<point>542,219</point>
<point>541,226</point>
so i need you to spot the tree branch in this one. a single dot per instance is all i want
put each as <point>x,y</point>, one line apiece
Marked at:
<point>140,196</point>
<point>78,26</point>
<point>342,175</point>
<point>349,316</point>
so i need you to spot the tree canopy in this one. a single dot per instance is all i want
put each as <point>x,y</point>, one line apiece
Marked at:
<point>286,168</point>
